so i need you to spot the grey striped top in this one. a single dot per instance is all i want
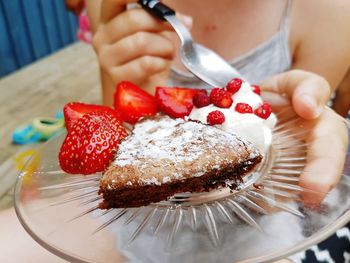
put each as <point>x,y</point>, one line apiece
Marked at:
<point>267,59</point>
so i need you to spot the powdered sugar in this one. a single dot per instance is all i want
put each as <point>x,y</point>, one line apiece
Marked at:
<point>168,149</point>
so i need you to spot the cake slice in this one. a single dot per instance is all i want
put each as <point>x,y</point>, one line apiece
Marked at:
<point>165,156</point>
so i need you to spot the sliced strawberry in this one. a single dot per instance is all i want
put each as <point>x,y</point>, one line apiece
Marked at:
<point>133,103</point>
<point>75,110</point>
<point>90,143</point>
<point>176,102</point>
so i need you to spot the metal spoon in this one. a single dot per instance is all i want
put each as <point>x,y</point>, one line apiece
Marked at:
<point>201,61</point>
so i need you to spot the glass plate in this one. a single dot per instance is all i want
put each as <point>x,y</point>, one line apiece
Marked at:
<point>263,220</point>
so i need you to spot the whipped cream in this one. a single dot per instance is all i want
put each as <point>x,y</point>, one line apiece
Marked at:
<point>249,126</point>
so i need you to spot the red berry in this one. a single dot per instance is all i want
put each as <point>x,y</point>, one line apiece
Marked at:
<point>264,111</point>
<point>256,89</point>
<point>90,143</point>
<point>215,117</point>
<point>243,108</point>
<point>132,102</point>
<point>234,85</point>
<point>201,99</point>
<point>221,98</point>
<point>75,110</point>
<point>177,102</point>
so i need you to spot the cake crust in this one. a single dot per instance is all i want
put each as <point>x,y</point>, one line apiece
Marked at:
<point>164,156</point>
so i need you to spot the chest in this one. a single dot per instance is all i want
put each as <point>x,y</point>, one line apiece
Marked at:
<point>232,28</point>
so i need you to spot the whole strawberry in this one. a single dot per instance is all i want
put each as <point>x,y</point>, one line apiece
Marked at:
<point>234,85</point>
<point>243,108</point>
<point>221,98</point>
<point>74,110</point>
<point>264,111</point>
<point>90,143</point>
<point>215,117</point>
<point>201,100</point>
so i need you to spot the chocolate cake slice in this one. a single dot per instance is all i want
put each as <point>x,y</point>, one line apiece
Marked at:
<point>164,156</point>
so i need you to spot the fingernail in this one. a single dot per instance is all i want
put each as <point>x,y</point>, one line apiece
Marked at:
<point>312,104</point>
<point>187,20</point>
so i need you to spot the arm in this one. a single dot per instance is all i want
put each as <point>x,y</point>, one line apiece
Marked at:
<point>321,38</point>
<point>320,43</point>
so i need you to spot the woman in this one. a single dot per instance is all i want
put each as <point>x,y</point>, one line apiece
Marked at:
<point>298,48</point>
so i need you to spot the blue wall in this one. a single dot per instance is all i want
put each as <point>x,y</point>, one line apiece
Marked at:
<point>31,29</point>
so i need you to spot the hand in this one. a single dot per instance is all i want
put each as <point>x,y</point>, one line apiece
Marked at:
<point>76,6</point>
<point>328,137</point>
<point>131,45</point>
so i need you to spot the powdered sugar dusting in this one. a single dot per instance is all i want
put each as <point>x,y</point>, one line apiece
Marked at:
<point>162,150</point>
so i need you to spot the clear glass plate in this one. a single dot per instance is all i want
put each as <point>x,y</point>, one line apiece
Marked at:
<point>263,220</point>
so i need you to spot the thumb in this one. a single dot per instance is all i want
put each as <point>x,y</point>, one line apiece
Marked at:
<point>307,91</point>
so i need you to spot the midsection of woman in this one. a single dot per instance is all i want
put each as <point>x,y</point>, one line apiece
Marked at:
<point>256,56</point>
<point>303,33</point>
<point>232,28</point>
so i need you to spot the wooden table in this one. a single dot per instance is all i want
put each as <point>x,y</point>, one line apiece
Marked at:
<point>44,87</point>
<point>38,90</point>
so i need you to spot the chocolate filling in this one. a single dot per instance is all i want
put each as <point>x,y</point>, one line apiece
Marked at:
<point>131,196</point>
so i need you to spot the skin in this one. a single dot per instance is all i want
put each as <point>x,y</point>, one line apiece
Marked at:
<point>319,42</point>
<point>133,45</point>
<point>342,100</point>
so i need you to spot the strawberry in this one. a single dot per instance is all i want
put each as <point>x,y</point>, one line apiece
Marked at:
<point>201,100</point>
<point>90,143</point>
<point>221,98</point>
<point>256,89</point>
<point>234,85</point>
<point>176,102</point>
<point>264,111</point>
<point>133,103</point>
<point>75,110</point>
<point>243,108</point>
<point>215,117</point>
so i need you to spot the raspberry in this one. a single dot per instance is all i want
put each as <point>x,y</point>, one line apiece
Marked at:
<point>234,85</point>
<point>264,111</point>
<point>201,99</point>
<point>256,89</point>
<point>221,98</point>
<point>243,108</point>
<point>215,117</point>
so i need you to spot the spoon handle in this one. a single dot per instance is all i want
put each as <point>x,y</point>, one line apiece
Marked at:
<point>157,8</point>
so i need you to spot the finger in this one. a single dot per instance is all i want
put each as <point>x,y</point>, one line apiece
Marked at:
<point>135,46</point>
<point>129,23</point>
<point>111,8</point>
<point>325,158</point>
<point>140,69</point>
<point>309,92</point>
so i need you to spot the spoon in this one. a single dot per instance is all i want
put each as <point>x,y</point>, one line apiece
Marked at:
<point>201,61</point>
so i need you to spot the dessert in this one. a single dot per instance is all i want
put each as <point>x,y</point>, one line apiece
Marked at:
<point>164,156</point>
<point>245,113</point>
<point>206,141</point>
